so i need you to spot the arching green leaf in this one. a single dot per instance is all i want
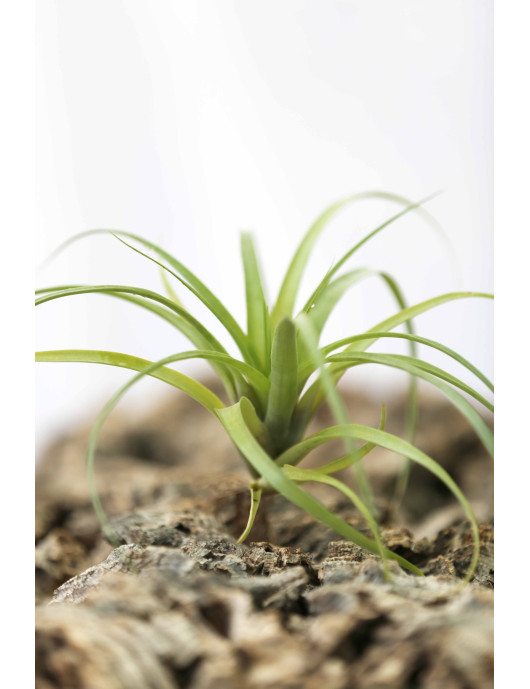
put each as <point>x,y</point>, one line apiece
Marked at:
<point>234,423</point>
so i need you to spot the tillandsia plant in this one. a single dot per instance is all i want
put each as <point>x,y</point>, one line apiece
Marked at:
<point>282,375</point>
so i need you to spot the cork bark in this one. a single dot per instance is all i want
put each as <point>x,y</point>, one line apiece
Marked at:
<point>180,604</point>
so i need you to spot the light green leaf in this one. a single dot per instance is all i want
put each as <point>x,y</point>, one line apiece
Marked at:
<point>411,312</point>
<point>257,380</point>
<point>305,475</point>
<point>342,284</point>
<point>185,276</point>
<point>59,288</point>
<point>314,396</point>
<point>201,338</point>
<point>339,411</point>
<point>347,460</point>
<point>169,289</point>
<point>191,387</point>
<point>258,321</point>
<point>234,423</point>
<point>409,364</point>
<point>415,338</point>
<point>255,498</point>
<point>284,383</point>
<point>401,447</point>
<point>354,249</point>
<point>328,298</point>
<point>289,289</point>
<point>139,291</point>
<point>474,418</point>
<point>156,369</point>
<point>256,426</point>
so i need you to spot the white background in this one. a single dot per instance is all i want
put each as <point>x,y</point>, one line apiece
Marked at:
<point>187,122</point>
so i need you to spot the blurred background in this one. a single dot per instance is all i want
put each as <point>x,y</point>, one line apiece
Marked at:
<point>189,122</point>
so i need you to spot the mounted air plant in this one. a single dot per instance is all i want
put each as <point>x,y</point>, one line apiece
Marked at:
<point>283,375</point>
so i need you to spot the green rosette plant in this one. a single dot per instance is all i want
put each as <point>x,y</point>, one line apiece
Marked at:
<point>282,374</point>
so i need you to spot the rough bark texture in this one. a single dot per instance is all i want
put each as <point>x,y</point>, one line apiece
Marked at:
<point>179,604</point>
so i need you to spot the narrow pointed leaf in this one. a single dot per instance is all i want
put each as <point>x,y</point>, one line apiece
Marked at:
<point>169,289</point>
<point>283,392</point>
<point>258,321</point>
<point>201,338</point>
<point>346,461</point>
<point>329,275</point>
<point>255,498</point>
<point>258,429</point>
<point>411,365</point>
<point>185,276</point>
<point>313,397</point>
<point>191,387</point>
<point>401,447</point>
<point>411,312</point>
<point>474,418</point>
<point>257,380</point>
<point>339,411</point>
<point>233,421</point>
<point>373,233</point>
<point>139,291</point>
<point>331,295</point>
<point>305,475</point>
<point>322,308</point>
<point>328,349</point>
<point>287,296</point>
<point>156,369</point>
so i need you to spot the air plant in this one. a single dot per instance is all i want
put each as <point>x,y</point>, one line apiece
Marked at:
<point>282,375</point>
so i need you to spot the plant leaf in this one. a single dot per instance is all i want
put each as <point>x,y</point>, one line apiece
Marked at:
<point>347,460</point>
<point>415,338</point>
<point>284,382</point>
<point>289,289</point>
<point>257,380</point>
<point>474,418</point>
<point>412,311</point>
<point>401,447</point>
<point>314,396</point>
<point>201,338</point>
<point>185,276</point>
<point>234,423</point>
<point>256,426</point>
<point>336,289</point>
<point>255,498</point>
<point>258,321</point>
<point>327,300</point>
<point>191,387</point>
<point>156,369</point>
<point>304,475</point>
<point>411,365</point>
<point>169,289</point>
<point>339,411</point>
<point>139,291</point>
<point>371,234</point>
